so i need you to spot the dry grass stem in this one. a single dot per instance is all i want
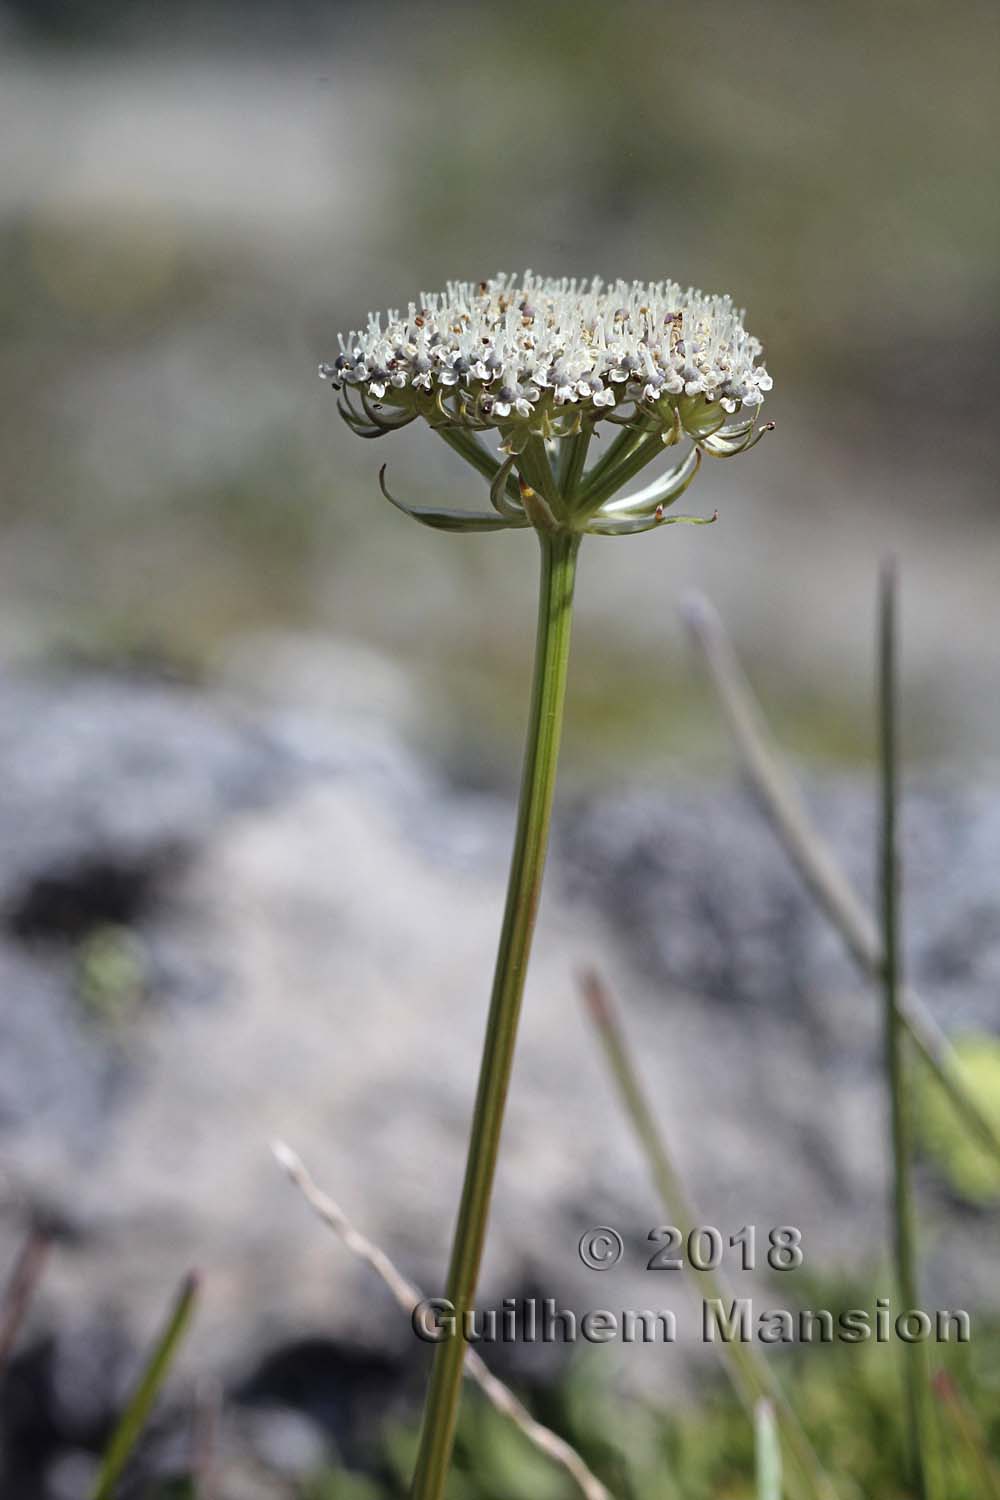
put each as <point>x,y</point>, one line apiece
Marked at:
<point>408,1296</point>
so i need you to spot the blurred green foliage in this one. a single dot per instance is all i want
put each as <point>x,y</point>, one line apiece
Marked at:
<point>968,1167</point>
<point>847,1397</point>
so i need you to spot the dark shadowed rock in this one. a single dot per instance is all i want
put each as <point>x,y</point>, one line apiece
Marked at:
<point>216,931</point>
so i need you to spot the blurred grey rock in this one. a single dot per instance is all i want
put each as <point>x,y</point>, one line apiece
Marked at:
<point>121,769</point>
<point>703,896</point>
<point>285,1442</point>
<point>71,1475</point>
<point>314,914</point>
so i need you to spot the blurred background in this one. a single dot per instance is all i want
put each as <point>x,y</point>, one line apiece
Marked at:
<point>194,203</point>
<point>250,714</point>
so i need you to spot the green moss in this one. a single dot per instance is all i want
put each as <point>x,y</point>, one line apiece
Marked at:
<point>110,976</point>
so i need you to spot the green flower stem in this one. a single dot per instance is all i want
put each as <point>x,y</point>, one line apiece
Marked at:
<point>534,464</point>
<point>140,1404</point>
<point>916,1371</point>
<point>628,438</point>
<point>555,610</point>
<point>472,450</point>
<point>628,466</point>
<point>574,457</point>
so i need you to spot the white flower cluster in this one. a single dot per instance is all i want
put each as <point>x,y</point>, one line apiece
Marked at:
<point>509,343</point>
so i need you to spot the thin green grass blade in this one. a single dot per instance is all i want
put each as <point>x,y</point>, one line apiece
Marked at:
<point>137,1410</point>
<point>750,1373</point>
<point>767,1452</point>
<point>916,1367</point>
<point>968,1432</point>
<point>808,851</point>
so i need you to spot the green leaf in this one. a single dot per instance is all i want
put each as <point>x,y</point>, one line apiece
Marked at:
<point>631,525</point>
<point>136,1414</point>
<point>768,1452</point>
<point>662,491</point>
<point>729,441</point>
<point>450,520</point>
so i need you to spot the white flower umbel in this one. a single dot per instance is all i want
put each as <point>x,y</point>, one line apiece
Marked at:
<point>547,366</point>
<point>543,362</point>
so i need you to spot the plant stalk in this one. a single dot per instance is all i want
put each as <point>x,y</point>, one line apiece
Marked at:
<point>752,1376</point>
<point>809,852</point>
<point>21,1288</point>
<point>133,1419</point>
<point>555,610</point>
<point>767,1452</point>
<point>915,1363</point>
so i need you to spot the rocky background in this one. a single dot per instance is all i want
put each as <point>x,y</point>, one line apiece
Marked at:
<point>220,928</point>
